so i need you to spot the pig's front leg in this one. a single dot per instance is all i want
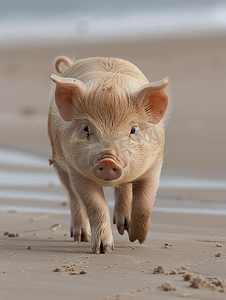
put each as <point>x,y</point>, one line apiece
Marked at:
<point>80,228</point>
<point>122,209</point>
<point>96,207</point>
<point>143,199</point>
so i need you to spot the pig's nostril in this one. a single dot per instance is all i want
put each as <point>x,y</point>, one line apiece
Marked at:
<point>107,170</point>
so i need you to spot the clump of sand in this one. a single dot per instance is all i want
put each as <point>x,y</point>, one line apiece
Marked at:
<point>188,276</point>
<point>218,254</point>
<point>219,282</point>
<point>183,269</point>
<point>198,282</point>
<point>167,286</point>
<point>58,269</point>
<point>11,234</point>
<point>74,269</point>
<point>167,246</point>
<point>160,270</point>
<point>218,285</point>
<point>173,272</point>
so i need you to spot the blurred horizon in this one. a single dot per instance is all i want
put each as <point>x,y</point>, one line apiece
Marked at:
<point>48,21</point>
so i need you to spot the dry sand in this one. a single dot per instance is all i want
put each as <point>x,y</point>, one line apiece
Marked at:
<point>195,146</point>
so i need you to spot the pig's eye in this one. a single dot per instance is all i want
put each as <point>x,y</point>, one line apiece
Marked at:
<point>133,130</point>
<point>86,129</point>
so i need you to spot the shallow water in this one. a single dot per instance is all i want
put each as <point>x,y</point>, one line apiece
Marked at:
<point>20,188</point>
<point>221,211</point>
<point>22,178</point>
<point>202,210</point>
<point>30,209</point>
<point>11,157</point>
<point>31,196</point>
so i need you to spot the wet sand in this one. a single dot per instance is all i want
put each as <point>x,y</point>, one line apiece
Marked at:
<point>195,153</point>
<point>127,272</point>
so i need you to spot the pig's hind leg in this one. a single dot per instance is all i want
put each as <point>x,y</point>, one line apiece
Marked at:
<point>122,209</point>
<point>80,227</point>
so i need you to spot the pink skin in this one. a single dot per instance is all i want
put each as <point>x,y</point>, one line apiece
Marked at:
<point>114,159</point>
<point>107,157</point>
<point>107,169</point>
<point>134,201</point>
<point>96,208</point>
<point>80,228</point>
<point>122,209</point>
<point>143,200</point>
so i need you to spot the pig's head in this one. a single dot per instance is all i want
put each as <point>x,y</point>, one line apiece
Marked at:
<point>111,128</point>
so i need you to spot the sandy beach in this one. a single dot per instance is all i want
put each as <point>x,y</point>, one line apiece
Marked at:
<point>187,232</point>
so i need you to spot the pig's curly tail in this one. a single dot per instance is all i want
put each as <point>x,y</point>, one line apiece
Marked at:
<point>62,59</point>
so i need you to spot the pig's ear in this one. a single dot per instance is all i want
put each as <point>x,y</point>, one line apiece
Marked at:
<point>67,89</point>
<point>155,99</point>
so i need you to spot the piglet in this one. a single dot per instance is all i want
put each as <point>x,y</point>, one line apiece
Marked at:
<point>106,130</point>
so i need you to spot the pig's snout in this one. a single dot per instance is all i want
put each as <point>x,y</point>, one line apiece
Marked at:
<point>107,169</point>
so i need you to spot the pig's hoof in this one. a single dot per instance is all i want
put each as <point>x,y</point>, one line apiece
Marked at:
<point>122,223</point>
<point>80,234</point>
<point>133,238</point>
<point>81,237</point>
<point>102,244</point>
<point>139,229</point>
<point>103,249</point>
